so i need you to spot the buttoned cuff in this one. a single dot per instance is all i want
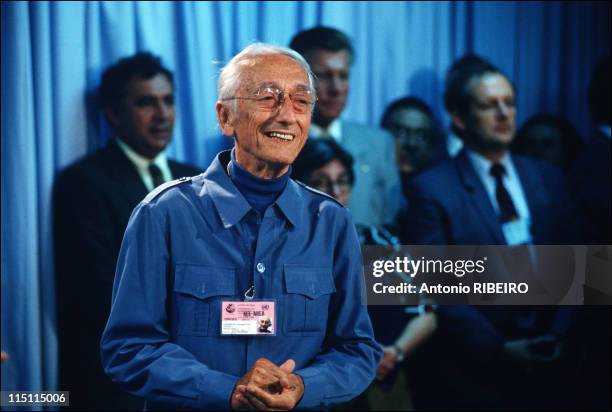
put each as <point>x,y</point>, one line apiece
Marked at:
<point>314,388</point>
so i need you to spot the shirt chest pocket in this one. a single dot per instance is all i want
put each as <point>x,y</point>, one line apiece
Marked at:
<point>306,300</point>
<point>198,292</point>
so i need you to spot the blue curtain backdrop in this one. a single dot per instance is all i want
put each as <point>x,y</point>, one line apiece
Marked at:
<point>53,54</point>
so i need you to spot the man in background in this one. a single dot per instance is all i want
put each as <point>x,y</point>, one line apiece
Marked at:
<point>418,146</point>
<point>411,122</point>
<point>93,200</point>
<point>376,196</point>
<point>486,196</point>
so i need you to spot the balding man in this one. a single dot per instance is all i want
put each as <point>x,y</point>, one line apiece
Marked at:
<point>204,258</point>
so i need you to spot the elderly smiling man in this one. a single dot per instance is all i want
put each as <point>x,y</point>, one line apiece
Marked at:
<point>204,258</point>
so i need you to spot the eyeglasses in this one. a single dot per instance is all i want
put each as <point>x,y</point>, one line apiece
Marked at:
<point>408,135</point>
<point>269,99</point>
<point>324,184</point>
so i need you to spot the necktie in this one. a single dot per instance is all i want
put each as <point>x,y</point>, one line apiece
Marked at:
<point>507,211</point>
<point>156,175</point>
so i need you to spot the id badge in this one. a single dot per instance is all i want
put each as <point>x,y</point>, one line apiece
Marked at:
<point>517,232</point>
<point>248,318</point>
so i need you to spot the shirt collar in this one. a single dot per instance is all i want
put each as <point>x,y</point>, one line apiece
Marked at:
<point>482,165</point>
<point>142,163</point>
<point>230,203</point>
<point>334,130</point>
<point>290,202</point>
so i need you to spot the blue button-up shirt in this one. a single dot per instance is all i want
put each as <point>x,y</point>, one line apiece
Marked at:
<point>187,248</point>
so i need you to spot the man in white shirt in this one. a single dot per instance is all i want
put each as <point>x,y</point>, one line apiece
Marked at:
<point>376,196</point>
<point>93,200</point>
<point>486,196</point>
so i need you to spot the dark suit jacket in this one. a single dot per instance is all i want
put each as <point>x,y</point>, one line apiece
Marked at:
<point>448,205</point>
<point>93,199</point>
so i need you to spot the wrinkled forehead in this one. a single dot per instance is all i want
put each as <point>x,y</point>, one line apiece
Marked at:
<point>274,70</point>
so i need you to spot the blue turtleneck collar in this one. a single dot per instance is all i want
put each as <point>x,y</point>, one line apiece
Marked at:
<point>260,193</point>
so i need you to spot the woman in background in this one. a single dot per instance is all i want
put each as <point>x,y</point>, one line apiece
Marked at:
<point>324,165</point>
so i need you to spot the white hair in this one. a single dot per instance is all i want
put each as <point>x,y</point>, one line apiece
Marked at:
<point>229,78</point>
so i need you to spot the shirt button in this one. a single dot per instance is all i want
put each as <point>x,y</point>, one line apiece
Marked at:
<point>261,268</point>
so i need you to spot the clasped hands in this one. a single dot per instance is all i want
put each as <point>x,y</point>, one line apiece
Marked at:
<point>268,387</point>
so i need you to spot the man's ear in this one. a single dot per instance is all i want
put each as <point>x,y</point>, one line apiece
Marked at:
<point>225,117</point>
<point>111,117</point>
<point>457,121</point>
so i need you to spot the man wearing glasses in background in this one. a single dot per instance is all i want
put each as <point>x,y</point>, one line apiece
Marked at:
<point>377,194</point>
<point>204,258</point>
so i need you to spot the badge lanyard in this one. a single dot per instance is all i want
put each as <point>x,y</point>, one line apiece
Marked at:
<point>249,294</point>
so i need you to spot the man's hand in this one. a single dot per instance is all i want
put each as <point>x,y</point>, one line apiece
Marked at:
<point>270,380</point>
<point>387,363</point>
<point>292,389</point>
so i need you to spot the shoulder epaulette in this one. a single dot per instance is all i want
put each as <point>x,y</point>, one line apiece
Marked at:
<point>318,192</point>
<point>165,186</point>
